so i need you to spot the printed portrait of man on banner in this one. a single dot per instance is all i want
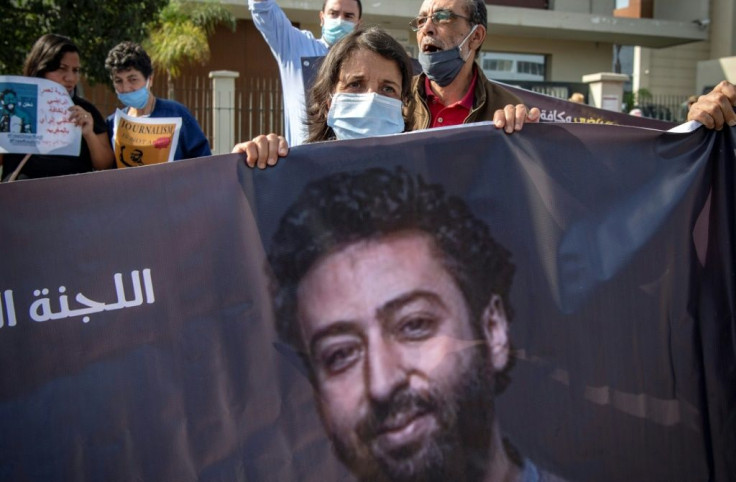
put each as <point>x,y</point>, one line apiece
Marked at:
<point>400,308</point>
<point>566,306</point>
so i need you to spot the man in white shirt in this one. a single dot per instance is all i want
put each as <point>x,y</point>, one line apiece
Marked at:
<point>289,45</point>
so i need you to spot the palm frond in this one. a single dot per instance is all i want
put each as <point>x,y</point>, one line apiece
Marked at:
<point>173,45</point>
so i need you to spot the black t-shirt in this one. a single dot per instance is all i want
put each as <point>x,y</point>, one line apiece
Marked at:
<point>45,166</point>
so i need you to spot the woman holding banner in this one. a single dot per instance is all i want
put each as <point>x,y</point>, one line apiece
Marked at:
<point>55,57</point>
<point>361,89</point>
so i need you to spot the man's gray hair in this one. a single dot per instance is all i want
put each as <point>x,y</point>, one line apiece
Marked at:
<point>478,15</point>
<point>477,12</point>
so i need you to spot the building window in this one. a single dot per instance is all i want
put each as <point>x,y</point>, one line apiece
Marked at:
<point>520,3</point>
<point>499,65</point>
<point>507,67</point>
<point>531,68</point>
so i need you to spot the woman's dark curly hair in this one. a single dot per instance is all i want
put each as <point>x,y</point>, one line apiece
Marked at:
<point>128,55</point>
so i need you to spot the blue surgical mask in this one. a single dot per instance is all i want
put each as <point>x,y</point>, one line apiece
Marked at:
<point>136,99</point>
<point>354,116</point>
<point>443,66</point>
<point>333,29</point>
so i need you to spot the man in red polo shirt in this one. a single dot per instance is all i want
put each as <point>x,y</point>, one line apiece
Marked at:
<point>452,89</point>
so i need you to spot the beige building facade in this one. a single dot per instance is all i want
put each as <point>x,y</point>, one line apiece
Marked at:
<point>574,37</point>
<point>680,48</point>
<point>696,66</point>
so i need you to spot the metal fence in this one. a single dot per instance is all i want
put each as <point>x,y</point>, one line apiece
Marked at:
<point>671,108</point>
<point>258,102</point>
<point>665,107</point>
<point>560,90</point>
<point>257,105</point>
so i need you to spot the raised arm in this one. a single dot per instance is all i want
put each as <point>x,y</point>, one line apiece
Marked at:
<point>288,44</point>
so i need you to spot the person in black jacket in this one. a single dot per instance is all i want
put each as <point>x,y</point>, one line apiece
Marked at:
<point>55,57</point>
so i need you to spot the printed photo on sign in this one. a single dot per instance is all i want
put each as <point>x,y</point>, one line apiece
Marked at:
<point>34,117</point>
<point>140,141</point>
<point>18,104</point>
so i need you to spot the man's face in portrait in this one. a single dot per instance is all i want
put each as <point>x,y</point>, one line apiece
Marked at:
<point>9,102</point>
<point>404,372</point>
<point>136,156</point>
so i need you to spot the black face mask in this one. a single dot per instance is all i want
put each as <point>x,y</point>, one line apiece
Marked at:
<point>442,67</point>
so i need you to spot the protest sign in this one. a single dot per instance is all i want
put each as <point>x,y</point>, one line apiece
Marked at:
<point>139,341</point>
<point>139,141</point>
<point>34,117</point>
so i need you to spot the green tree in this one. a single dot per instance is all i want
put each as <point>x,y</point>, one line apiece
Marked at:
<point>94,25</point>
<point>179,36</point>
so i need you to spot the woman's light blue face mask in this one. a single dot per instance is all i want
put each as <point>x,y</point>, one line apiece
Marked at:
<point>354,116</point>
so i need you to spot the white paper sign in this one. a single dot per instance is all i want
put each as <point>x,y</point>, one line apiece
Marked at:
<point>34,117</point>
<point>139,141</point>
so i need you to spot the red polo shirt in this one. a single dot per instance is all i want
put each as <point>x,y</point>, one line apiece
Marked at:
<point>450,115</point>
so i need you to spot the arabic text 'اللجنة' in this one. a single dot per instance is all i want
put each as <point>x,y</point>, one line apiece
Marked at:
<point>41,309</point>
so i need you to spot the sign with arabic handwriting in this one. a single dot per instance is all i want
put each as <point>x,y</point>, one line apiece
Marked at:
<point>34,117</point>
<point>561,297</point>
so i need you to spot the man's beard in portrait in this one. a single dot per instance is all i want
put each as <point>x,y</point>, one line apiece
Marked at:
<point>457,450</point>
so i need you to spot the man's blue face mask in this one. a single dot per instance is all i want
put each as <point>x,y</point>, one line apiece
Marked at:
<point>333,29</point>
<point>136,99</point>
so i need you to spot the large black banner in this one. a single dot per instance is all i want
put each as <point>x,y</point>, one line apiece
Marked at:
<point>458,303</point>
